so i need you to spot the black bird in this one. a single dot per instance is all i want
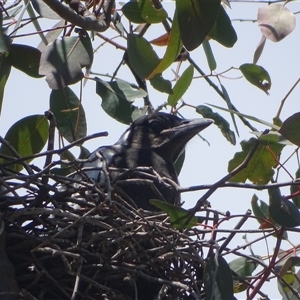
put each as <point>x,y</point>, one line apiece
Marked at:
<point>154,141</point>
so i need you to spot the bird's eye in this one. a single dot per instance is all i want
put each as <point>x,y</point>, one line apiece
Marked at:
<point>156,126</point>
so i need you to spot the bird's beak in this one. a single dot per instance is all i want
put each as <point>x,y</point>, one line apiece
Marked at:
<point>188,128</point>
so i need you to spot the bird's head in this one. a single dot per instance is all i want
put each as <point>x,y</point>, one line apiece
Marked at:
<point>163,133</point>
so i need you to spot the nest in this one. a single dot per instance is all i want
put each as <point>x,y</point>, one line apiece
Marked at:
<point>85,243</point>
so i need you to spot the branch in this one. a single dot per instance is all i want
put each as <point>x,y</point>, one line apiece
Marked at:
<point>240,185</point>
<point>215,186</point>
<point>90,22</point>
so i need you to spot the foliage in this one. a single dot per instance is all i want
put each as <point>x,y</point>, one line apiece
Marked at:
<point>68,60</point>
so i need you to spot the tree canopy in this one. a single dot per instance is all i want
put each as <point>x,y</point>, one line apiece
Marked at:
<point>131,52</point>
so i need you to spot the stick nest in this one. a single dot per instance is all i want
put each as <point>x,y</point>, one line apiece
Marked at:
<point>68,242</point>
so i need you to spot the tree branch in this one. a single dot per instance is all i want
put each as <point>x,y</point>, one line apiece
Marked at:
<point>90,22</point>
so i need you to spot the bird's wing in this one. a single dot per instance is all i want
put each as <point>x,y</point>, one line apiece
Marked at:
<point>101,158</point>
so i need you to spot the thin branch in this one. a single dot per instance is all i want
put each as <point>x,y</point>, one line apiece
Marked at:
<point>215,186</point>
<point>240,185</point>
<point>59,151</point>
<point>90,22</point>
<point>245,122</point>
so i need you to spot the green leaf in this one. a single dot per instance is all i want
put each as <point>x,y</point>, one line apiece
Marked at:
<point>290,129</point>
<point>178,216</point>
<point>259,49</point>
<point>217,279</point>
<point>62,60</point>
<point>66,168</point>
<point>173,49</point>
<point>4,42</point>
<point>138,112</point>
<point>142,57</point>
<point>26,59</point>
<point>196,19</point>
<point>143,11</point>
<point>293,280</point>
<point>28,136</point>
<point>117,97</point>
<point>275,127</point>
<point>284,289</point>
<point>257,75</point>
<point>181,85</point>
<point>223,31</point>
<point>44,10</point>
<point>52,35</point>
<point>230,106</point>
<point>276,21</point>
<point>224,126</point>
<point>262,213</point>
<point>162,85</point>
<point>287,272</point>
<point>282,211</point>
<point>260,167</point>
<point>84,152</point>
<point>243,267</point>
<point>293,261</point>
<point>258,211</point>
<point>69,114</point>
<point>209,55</point>
<point>269,138</point>
<point>5,67</point>
<point>296,189</point>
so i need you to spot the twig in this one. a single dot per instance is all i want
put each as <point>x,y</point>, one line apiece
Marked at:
<point>237,227</point>
<point>90,22</point>
<point>216,185</point>
<point>58,151</point>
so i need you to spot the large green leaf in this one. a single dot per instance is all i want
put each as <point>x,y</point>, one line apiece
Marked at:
<point>258,210</point>
<point>28,136</point>
<point>282,211</point>
<point>257,75</point>
<point>196,18</point>
<point>143,11</point>
<point>173,49</point>
<point>142,57</point>
<point>117,97</point>
<point>217,279</point>
<point>26,59</point>
<point>260,167</point>
<point>243,267</point>
<point>5,67</point>
<point>44,10</point>
<point>4,42</point>
<point>293,279</point>
<point>181,85</point>
<point>143,60</point>
<point>290,128</point>
<point>62,60</point>
<point>224,126</point>
<point>69,114</point>
<point>223,31</point>
<point>161,84</point>
<point>295,189</point>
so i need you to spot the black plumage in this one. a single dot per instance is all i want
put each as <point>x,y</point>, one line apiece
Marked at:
<point>153,141</point>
